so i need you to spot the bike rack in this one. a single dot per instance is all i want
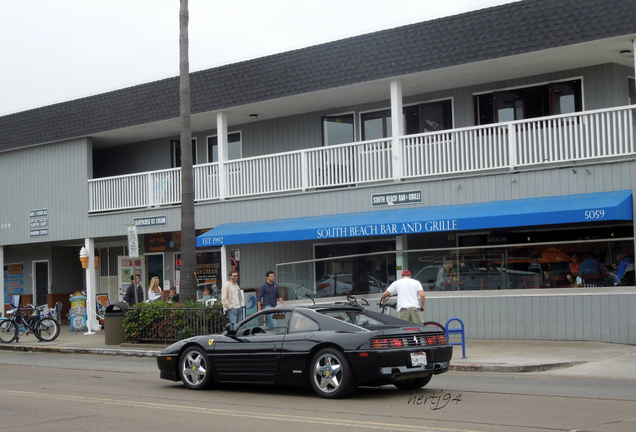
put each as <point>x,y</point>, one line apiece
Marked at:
<point>457,331</point>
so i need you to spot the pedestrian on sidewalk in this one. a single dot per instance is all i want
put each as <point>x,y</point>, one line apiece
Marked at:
<point>269,296</point>
<point>409,306</point>
<point>232,299</point>
<point>130,297</point>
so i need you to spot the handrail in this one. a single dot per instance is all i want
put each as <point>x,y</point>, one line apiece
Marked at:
<point>563,138</point>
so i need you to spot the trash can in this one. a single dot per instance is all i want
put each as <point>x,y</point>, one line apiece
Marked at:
<point>114,333</point>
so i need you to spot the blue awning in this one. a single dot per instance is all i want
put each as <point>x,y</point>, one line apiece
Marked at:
<point>593,207</point>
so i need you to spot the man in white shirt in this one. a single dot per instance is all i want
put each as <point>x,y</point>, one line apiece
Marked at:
<point>231,298</point>
<point>408,304</point>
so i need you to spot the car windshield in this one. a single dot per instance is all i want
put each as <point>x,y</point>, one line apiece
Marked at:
<point>354,317</point>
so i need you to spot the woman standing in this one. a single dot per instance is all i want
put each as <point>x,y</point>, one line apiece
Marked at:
<point>154,291</point>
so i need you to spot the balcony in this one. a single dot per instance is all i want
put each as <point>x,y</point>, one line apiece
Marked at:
<point>598,135</point>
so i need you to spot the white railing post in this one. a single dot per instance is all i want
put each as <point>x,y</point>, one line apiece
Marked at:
<point>151,192</point>
<point>512,147</point>
<point>221,130</point>
<point>304,170</point>
<point>397,126</point>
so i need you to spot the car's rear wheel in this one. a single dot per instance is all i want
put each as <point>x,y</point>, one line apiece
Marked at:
<point>413,384</point>
<point>331,376</point>
<point>195,369</point>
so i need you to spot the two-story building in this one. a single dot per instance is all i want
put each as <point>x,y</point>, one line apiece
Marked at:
<point>500,140</point>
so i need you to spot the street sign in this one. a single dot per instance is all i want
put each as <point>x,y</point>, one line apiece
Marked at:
<point>133,242</point>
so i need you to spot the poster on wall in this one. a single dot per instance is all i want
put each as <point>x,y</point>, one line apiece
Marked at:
<point>208,268</point>
<point>101,301</point>
<point>13,280</point>
<point>126,266</point>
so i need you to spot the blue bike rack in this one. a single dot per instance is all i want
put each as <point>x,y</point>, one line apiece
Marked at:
<point>457,331</point>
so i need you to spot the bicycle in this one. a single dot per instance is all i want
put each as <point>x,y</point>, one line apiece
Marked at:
<point>46,329</point>
<point>387,303</point>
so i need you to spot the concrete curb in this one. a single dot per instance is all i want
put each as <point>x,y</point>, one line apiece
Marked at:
<point>69,350</point>
<point>500,367</point>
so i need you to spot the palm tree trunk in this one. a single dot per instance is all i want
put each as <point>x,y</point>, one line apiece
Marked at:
<point>188,240</point>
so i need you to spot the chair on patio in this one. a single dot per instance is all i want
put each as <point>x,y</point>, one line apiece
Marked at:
<point>57,312</point>
<point>591,280</point>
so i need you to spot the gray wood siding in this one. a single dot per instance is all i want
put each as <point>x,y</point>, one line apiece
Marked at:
<point>581,316</point>
<point>52,177</point>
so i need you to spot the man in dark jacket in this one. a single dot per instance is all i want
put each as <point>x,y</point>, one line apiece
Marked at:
<point>130,293</point>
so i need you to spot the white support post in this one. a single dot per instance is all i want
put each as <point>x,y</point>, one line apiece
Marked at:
<point>89,244</point>
<point>221,137</point>
<point>2,280</point>
<point>397,126</point>
<point>224,267</point>
<point>401,259</point>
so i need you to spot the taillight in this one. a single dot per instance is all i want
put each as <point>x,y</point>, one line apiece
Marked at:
<point>386,343</point>
<point>436,339</point>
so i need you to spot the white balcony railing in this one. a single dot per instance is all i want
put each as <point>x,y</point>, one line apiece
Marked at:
<point>606,133</point>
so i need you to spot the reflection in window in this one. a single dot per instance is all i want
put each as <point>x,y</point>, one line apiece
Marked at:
<point>376,125</point>
<point>302,323</point>
<point>337,129</point>
<point>528,102</point>
<point>233,147</point>
<point>424,117</point>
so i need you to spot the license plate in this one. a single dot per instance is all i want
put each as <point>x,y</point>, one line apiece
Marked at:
<point>418,359</point>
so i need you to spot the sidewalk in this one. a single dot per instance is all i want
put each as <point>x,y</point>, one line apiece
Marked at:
<point>563,357</point>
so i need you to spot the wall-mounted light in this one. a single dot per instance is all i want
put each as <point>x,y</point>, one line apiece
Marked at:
<point>253,116</point>
<point>574,170</point>
<point>626,53</point>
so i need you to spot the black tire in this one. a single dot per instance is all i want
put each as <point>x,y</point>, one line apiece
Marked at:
<point>47,330</point>
<point>331,375</point>
<point>413,384</point>
<point>195,369</point>
<point>8,331</point>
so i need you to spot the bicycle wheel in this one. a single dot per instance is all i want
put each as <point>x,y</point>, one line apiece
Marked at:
<point>47,330</point>
<point>8,331</point>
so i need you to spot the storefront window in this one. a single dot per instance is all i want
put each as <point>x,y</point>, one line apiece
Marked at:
<point>582,261</point>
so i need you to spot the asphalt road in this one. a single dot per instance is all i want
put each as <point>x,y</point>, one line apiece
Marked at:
<point>58,392</point>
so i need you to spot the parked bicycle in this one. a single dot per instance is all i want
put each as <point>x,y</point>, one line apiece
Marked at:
<point>28,321</point>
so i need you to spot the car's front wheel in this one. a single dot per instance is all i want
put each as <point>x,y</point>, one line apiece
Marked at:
<point>195,369</point>
<point>331,376</point>
<point>413,384</point>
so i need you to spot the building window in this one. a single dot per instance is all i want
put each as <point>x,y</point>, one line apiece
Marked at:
<point>337,129</point>
<point>420,118</point>
<point>428,117</point>
<point>233,147</point>
<point>175,153</point>
<point>528,102</point>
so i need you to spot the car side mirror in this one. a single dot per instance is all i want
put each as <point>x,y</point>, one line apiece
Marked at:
<point>229,328</point>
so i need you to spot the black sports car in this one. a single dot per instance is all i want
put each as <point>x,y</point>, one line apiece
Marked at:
<point>332,348</point>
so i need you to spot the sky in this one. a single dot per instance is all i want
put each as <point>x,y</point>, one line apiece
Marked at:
<point>58,50</point>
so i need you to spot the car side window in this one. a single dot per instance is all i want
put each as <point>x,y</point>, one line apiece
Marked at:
<point>302,323</point>
<point>356,318</point>
<point>274,322</point>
